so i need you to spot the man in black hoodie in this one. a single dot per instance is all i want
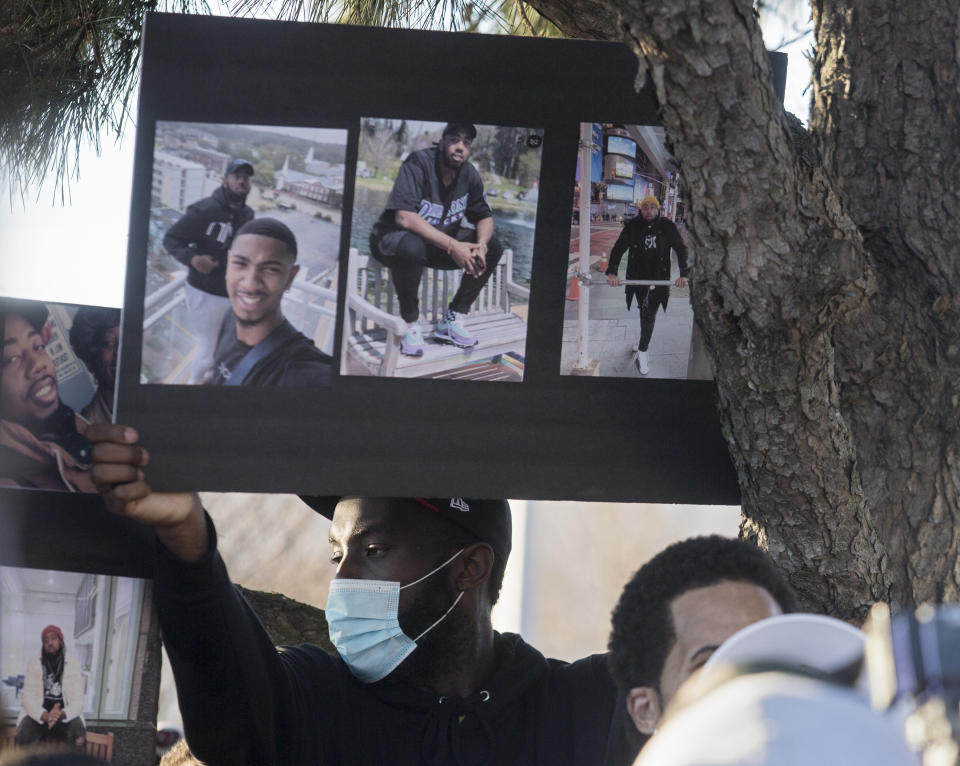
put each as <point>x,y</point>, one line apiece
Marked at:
<point>200,240</point>
<point>420,676</point>
<point>649,238</point>
<point>435,191</point>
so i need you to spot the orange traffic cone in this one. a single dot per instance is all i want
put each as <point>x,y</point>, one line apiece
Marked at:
<point>573,293</point>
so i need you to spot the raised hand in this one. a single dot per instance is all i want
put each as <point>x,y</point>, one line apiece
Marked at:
<point>118,472</point>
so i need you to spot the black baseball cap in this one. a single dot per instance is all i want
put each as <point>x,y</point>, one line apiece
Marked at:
<point>239,164</point>
<point>466,127</point>
<point>34,313</point>
<point>487,520</point>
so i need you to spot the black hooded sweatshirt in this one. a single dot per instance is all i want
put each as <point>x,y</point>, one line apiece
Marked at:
<point>207,228</point>
<point>246,702</point>
<point>649,244</point>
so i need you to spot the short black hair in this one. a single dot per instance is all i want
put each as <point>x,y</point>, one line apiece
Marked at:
<point>270,227</point>
<point>34,313</point>
<point>643,632</point>
<point>448,538</point>
<point>90,325</point>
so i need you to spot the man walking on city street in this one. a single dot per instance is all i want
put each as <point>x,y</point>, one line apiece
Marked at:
<point>649,237</point>
<point>435,190</point>
<point>200,240</point>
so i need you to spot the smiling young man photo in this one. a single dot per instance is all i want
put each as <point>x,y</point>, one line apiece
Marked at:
<point>42,442</point>
<point>257,346</point>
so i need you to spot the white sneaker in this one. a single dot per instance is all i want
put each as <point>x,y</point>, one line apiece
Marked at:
<point>412,342</point>
<point>642,362</point>
<point>635,347</point>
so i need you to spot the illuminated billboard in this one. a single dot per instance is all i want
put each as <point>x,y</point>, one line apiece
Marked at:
<point>623,169</point>
<point>620,192</point>
<point>620,145</point>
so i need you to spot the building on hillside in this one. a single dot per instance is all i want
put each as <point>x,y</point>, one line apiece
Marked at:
<point>177,182</point>
<point>209,158</point>
<point>325,185</point>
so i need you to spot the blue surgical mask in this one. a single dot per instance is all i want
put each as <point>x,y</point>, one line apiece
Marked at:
<point>365,628</point>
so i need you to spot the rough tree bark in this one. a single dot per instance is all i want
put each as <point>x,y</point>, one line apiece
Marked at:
<point>826,278</point>
<point>289,622</point>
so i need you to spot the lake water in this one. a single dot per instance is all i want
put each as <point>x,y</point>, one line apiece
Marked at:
<point>514,229</point>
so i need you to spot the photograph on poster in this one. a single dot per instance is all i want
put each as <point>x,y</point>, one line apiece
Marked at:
<point>242,255</point>
<point>58,377</point>
<point>441,250</point>
<point>628,308</point>
<point>72,656</point>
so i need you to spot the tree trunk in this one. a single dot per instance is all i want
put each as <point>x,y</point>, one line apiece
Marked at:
<point>825,278</point>
<point>289,622</point>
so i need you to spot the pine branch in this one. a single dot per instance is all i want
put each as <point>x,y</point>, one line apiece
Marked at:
<point>67,69</point>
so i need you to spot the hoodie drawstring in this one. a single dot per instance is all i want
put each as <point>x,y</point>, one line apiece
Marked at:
<point>447,724</point>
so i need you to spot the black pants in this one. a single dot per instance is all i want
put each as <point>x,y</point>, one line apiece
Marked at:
<point>29,731</point>
<point>649,299</point>
<point>413,254</point>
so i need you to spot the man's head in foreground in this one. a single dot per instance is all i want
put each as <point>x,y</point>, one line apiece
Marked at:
<point>447,554</point>
<point>649,208</point>
<point>455,144</point>
<point>261,266</point>
<point>28,377</point>
<point>678,608</point>
<point>236,181</point>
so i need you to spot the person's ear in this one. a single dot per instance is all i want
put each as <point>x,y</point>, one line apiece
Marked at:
<point>476,564</point>
<point>643,706</point>
<point>293,274</point>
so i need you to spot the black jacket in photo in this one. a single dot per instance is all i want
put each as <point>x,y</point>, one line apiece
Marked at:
<point>649,244</point>
<point>293,360</point>
<point>206,228</point>
<point>418,189</point>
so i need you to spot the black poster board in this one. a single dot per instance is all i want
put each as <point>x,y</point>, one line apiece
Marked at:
<point>547,437</point>
<point>71,532</point>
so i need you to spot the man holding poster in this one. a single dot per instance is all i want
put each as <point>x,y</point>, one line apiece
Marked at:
<point>420,675</point>
<point>435,190</point>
